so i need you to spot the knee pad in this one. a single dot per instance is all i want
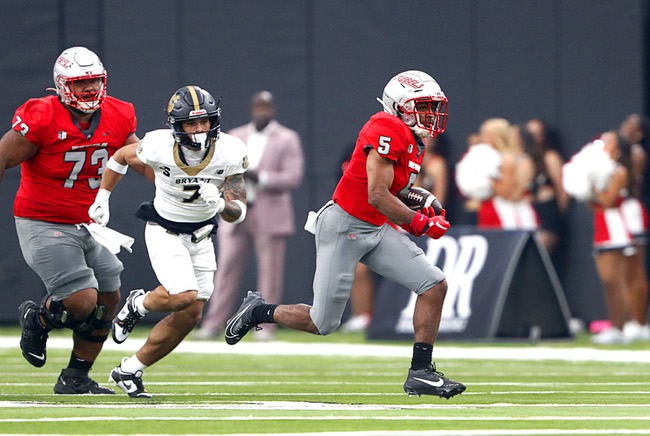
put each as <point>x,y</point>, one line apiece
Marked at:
<point>57,316</point>
<point>93,322</point>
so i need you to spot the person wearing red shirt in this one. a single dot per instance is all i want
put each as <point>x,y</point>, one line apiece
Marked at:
<point>354,228</point>
<point>63,143</point>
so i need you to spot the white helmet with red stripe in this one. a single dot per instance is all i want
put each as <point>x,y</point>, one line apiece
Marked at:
<point>417,99</point>
<point>77,64</point>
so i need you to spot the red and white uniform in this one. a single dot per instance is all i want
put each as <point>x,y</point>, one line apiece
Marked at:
<point>499,213</point>
<point>636,219</point>
<point>393,140</point>
<point>610,229</point>
<point>59,183</point>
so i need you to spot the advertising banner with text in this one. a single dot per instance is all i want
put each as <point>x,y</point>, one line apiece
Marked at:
<point>501,284</point>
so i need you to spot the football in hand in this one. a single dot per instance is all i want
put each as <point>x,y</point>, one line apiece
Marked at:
<point>419,198</point>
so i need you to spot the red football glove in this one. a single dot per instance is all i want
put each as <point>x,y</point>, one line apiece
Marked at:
<point>434,226</point>
<point>419,224</point>
<point>438,226</point>
<point>430,212</point>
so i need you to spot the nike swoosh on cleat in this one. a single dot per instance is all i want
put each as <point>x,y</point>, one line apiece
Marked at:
<point>37,356</point>
<point>229,333</point>
<point>129,386</point>
<point>437,384</point>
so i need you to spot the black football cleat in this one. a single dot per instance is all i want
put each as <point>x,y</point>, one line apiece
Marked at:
<point>428,381</point>
<point>242,321</point>
<point>79,385</point>
<point>33,338</point>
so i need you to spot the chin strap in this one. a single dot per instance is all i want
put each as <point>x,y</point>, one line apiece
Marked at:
<point>420,132</point>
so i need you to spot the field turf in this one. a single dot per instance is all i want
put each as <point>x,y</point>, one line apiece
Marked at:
<point>272,388</point>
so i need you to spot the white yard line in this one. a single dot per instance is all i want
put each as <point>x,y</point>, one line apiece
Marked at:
<point>319,407</point>
<point>281,348</point>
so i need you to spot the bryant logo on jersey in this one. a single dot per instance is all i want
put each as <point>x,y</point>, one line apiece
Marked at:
<point>190,180</point>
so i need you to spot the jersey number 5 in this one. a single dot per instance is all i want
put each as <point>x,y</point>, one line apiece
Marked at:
<point>384,144</point>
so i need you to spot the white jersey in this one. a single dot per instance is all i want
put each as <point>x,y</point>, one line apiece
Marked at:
<point>177,184</point>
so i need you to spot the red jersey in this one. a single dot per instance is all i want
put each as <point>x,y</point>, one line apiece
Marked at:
<point>59,183</point>
<point>393,140</point>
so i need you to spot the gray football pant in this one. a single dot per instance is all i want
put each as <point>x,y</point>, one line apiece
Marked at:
<point>342,241</point>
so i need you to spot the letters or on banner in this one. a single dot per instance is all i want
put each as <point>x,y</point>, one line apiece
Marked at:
<point>500,284</point>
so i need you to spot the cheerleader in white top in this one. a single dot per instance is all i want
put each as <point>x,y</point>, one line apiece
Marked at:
<point>595,176</point>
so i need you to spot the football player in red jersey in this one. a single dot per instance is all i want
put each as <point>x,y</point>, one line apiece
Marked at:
<point>63,143</point>
<point>353,227</point>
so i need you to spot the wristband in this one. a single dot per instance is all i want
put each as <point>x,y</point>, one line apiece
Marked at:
<point>242,206</point>
<point>114,165</point>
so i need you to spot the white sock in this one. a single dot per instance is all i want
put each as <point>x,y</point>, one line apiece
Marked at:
<point>139,304</point>
<point>132,364</point>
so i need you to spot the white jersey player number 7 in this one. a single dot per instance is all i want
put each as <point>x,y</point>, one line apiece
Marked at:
<point>177,183</point>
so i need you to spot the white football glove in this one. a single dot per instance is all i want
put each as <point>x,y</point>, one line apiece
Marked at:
<point>99,211</point>
<point>212,196</point>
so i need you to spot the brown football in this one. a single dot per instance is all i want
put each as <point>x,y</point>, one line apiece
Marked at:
<point>419,198</point>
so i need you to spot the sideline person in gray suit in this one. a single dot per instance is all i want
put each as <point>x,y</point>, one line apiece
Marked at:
<point>276,167</point>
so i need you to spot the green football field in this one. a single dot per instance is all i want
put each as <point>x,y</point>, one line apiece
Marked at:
<point>340,384</point>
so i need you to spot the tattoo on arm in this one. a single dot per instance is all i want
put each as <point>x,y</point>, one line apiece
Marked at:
<point>234,188</point>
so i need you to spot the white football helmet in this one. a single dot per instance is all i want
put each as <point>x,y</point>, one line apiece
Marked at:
<point>417,99</point>
<point>73,65</point>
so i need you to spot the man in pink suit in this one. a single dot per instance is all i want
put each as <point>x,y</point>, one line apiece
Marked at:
<point>276,167</point>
